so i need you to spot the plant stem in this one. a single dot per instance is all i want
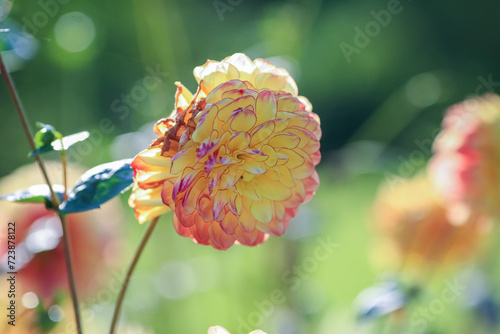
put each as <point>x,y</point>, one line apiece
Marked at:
<point>55,200</point>
<point>26,127</point>
<point>131,268</point>
<point>64,162</point>
<point>69,269</point>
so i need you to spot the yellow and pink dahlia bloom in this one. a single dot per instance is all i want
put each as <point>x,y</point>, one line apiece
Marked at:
<point>235,160</point>
<point>466,163</point>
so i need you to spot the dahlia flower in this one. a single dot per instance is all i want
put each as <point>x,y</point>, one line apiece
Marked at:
<point>233,161</point>
<point>414,228</point>
<point>466,164</point>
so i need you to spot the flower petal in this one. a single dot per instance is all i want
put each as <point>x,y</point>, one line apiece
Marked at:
<point>265,106</point>
<point>218,238</point>
<point>242,120</point>
<point>183,159</point>
<point>239,141</point>
<point>262,210</point>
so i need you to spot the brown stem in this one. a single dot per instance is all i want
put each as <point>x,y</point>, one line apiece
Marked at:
<point>131,268</point>
<point>55,200</point>
<point>24,123</point>
<point>71,277</point>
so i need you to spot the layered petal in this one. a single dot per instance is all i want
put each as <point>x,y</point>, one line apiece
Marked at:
<point>234,164</point>
<point>256,174</point>
<point>259,73</point>
<point>152,167</point>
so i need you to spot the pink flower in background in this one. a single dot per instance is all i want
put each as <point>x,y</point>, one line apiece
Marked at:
<point>466,164</point>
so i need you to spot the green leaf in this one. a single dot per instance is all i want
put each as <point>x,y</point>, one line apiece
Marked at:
<point>35,194</point>
<point>46,135</point>
<point>43,139</point>
<point>41,150</point>
<point>98,185</point>
<point>55,145</point>
<point>70,140</point>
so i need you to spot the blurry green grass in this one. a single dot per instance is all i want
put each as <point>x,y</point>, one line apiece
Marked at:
<point>247,275</point>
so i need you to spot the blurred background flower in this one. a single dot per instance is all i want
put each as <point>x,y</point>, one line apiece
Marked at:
<point>416,232</point>
<point>40,264</point>
<point>466,164</point>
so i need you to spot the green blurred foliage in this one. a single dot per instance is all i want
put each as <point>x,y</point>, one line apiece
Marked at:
<point>75,90</point>
<point>379,95</point>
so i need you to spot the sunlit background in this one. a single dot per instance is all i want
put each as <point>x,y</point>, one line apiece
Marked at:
<point>380,75</point>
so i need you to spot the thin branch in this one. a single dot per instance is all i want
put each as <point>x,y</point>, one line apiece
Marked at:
<point>27,130</point>
<point>69,269</point>
<point>137,255</point>
<point>64,162</point>
<point>55,200</point>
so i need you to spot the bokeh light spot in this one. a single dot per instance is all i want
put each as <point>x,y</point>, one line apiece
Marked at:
<point>44,234</point>
<point>423,90</point>
<point>175,280</point>
<point>56,313</point>
<point>74,31</point>
<point>30,300</point>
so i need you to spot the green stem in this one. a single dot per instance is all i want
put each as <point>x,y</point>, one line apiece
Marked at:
<point>131,268</point>
<point>55,200</point>
<point>64,162</point>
